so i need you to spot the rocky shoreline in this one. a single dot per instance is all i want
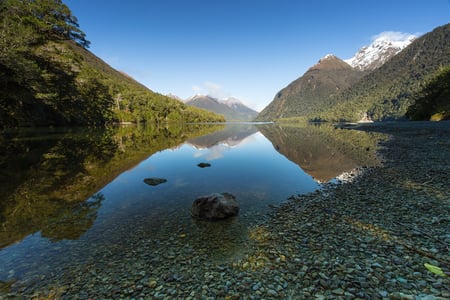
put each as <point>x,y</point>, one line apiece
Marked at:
<point>367,238</point>
<point>370,238</point>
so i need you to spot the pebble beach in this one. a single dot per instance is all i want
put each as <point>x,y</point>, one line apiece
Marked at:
<point>380,233</point>
<point>370,238</point>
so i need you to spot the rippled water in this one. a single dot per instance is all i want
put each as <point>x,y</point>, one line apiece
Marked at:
<point>77,202</point>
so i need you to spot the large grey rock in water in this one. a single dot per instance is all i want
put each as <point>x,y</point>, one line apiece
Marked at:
<point>215,206</point>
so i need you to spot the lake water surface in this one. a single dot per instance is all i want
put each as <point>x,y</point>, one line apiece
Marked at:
<point>76,213</point>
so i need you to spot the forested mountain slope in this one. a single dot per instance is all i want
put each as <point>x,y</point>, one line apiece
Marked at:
<point>387,92</point>
<point>312,91</point>
<point>432,102</point>
<point>48,77</point>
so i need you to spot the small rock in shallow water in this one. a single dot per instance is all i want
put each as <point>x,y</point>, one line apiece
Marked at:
<point>154,181</point>
<point>204,165</point>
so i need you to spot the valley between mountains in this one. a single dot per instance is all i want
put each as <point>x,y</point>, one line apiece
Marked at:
<point>397,77</point>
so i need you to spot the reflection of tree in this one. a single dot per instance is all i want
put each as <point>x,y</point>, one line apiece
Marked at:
<point>70,159</point>
<point>72,220</point>
<point>40,165</point>
<point>46,176</point>
<point>324,152</point>
<point>46,180</point>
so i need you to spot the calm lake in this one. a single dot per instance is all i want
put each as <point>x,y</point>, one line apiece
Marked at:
<point>76,213</point>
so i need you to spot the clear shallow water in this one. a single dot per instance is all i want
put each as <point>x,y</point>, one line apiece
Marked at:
<point>127,224</point>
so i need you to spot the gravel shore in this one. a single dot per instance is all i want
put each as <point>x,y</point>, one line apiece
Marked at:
<point>368,238</point>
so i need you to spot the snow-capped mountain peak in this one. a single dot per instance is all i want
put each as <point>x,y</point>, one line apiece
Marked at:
<point>201,97</point>
<point>232,102</point>
<point>232,108</point>
<point>384,46</point>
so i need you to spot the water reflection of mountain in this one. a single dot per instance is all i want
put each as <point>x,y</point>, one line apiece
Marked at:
<point>48,177</point>
<point>324,152</point>
<point>231,135</point>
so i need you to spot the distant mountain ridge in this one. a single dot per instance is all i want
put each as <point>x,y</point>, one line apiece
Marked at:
<point>231,108</point>
<point>380,86</point>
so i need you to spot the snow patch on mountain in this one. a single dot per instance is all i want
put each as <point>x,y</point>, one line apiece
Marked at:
<point>329,55</point>
<point>384,46</point>
<point>202,97</point>
<point>232,102</point>
<point>232,108</point>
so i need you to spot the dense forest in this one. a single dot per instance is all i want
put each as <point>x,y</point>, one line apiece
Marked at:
<point>48,77</point>
<point>312,91</point>
<point>432,102</point>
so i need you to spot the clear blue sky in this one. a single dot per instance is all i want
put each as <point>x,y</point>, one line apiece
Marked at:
<point>249,49</point>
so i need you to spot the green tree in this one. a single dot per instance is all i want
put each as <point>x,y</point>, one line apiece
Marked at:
<point>433,100</point>
<point>37,71</point>
<point>94,101</point>
<point>41,20</point>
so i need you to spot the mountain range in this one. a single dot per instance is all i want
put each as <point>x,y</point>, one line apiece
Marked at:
<point>231,108</point>
<point>48,77</point>
<point>380,83</point>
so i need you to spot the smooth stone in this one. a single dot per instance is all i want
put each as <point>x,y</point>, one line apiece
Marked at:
<point>383,294</point>
<point>427,297</point>
<point>402,280</point>
<point>152,284</point>
<point>204,165</point>
<point>154,181</point>
<point>338,291</point>
<point>215,206</point>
